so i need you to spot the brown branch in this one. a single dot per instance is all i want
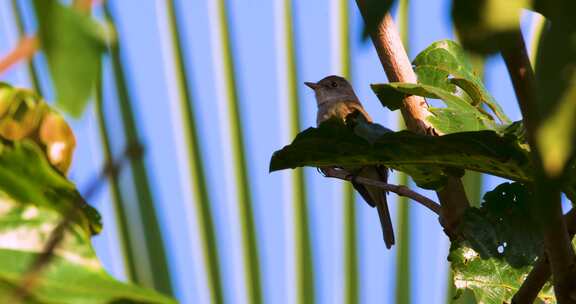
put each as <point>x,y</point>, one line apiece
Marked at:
<point>24,50</point>
<point>540,273</point>
<point>414,110</point>
<point>32,275</point>
<point>398,189</point>
<point>557,243</point>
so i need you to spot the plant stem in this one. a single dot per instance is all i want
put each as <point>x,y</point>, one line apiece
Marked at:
<point>403,269</point>
<point>117,200</point>
<point>350,233</point>
<point>398,189</point>
<point>250,239</point>
<point>415,112</point>
<point>152,272</point>
<point>26,47</point>
<point>303,249</point>
<point>202,201</point>
<point>547,191</point>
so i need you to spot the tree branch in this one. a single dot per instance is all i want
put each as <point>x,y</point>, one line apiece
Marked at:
<point>415,112</point>
<point>540,273</point>
<point>398,189</point>
<point>557,243</point>
<point>24,50</point>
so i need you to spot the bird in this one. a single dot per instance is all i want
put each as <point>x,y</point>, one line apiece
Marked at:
<point>336,98</point>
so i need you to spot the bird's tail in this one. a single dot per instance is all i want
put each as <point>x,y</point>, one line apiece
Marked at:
<point>385,219</point>
<point>376,197</point>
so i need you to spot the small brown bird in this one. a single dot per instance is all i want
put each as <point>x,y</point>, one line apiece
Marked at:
<point>335,97</point>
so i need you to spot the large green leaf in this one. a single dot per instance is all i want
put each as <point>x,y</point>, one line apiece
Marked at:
<point>27,177</point>
<point>448,60</point>
<point>73,44</point>
<point>73,276</point>
<point>483,25</point>
<point>459,115</point>
<point>425,158</point>
<point>445,73</point>
<point>492,281</point>
<point>33,199</point>
<point>503,227</point>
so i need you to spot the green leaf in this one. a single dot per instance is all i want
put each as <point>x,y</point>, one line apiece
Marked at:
<point>482,25</point>
<point>26,176</point>
<point>445,72</point>
<point>449,58</point>
<point>503,227</point>
<point>374,12</point>
<point>73,44</point>
<point>492,281</point>
<point>424,158</point>
<point>33,199</point>
<point>459,115</point>
<point>73,276</point>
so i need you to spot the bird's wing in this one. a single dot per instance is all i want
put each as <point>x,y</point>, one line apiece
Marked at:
<point>358,107</point>
<point>340,109</point>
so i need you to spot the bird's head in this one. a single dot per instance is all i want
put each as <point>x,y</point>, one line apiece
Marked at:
<point>332,88</point>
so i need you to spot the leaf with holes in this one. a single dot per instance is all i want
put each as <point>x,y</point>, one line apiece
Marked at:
<point>492,281</point>
<point>503,227</point>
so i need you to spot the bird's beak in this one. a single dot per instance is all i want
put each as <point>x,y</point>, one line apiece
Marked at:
<point>312,85</point>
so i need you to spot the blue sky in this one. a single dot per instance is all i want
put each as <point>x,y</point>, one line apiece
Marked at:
<point>142,30</point>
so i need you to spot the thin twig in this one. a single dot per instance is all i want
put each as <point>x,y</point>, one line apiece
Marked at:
<point>557,243</point>
<point>31,276</point>
<point>25,49</point>
<point>398,189</point>
<point>398,68</point>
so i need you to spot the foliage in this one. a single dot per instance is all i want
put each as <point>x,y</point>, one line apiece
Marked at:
<point>504,228</point>
<point>73,44</point>
<point>428,160</point>
<point>445,73</point>
<point>485,26</point>
<point>555,80</point>
<point>495,245</point>
<point>482,25</point>
<point>492,280</point>
<point>24,114</point>
<point>34,198</point>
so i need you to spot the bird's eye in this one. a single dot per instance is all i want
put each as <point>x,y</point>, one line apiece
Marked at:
<point>334,84</point>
